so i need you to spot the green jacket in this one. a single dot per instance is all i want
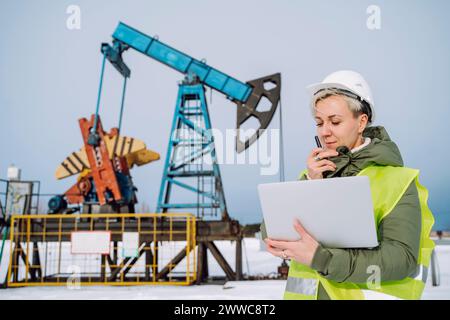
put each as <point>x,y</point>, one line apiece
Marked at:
<point>398,233</point>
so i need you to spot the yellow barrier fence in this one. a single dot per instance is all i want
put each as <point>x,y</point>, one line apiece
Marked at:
<point>102,249</point>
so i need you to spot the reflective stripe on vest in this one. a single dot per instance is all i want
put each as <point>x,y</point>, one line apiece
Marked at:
<point>421,274</point>
<point>397,180</point>
<point>302,286</point>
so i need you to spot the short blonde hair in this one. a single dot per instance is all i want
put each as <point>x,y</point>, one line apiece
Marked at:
<point>354,105</point>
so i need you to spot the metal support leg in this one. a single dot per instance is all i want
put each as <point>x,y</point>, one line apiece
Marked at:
<point>202,263</point>
<point>435,272</point>
<point>172,264</point>
<point>239,258</point>
<point>156,256</point>
<point>115,256</point>
<point>200,257</point>
<point>231,275</point>
<point>103,268</point>
<point>37,261</point>
<point>148,260</point>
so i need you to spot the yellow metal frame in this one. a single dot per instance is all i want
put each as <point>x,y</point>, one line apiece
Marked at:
<point>190,231</point>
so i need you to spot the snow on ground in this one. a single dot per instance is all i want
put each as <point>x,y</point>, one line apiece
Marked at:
<point>255,262</point>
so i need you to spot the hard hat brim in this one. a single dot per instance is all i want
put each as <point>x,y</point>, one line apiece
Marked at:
<point>314,88</point>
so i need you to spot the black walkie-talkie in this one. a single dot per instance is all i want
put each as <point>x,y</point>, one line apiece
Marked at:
<point>319,145</point>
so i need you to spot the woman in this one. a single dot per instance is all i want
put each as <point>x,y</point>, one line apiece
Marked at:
<point>342,106</point>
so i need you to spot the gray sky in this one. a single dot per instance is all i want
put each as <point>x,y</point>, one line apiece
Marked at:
<point>49,79</point>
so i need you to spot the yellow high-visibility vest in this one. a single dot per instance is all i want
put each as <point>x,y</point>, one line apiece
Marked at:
<point>387,185</point>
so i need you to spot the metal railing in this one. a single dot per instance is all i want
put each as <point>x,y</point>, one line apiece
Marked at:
<point>42,249</point>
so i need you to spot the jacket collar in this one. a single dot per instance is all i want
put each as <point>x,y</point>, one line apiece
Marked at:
<point>380,150</point>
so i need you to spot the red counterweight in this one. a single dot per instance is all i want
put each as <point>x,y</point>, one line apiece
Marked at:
<point>102,168</point>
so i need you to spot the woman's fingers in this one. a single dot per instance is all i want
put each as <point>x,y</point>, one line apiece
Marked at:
<point>317,162</point>
<point>327,168</point>
<point>327,153</point>
<point>279,245</point>
<point>315,152</point>
<point>284,254</point>
<point>301,230</point>
<point>279,252</point>
<point>322,153</point>
<point>321,166</point>
<point>315,170</point>
<point>324,162</point>
<point>274,251</point>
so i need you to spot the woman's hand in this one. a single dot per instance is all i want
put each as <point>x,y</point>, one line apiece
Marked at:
<point>317,164</point>
<point>302,250</point>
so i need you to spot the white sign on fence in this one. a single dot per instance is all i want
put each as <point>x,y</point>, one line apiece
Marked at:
<point>130,243</point>
<point>90,242</point>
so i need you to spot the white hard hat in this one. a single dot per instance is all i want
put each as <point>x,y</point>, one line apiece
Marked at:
<point>347,80</point>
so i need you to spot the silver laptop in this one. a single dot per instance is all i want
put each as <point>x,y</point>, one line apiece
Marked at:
<point>337,212</point>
